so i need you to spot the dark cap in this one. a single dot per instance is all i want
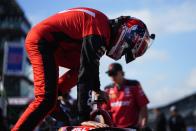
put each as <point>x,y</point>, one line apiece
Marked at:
<point>113,68</point>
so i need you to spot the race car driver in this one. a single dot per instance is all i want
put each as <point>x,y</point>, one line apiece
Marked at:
<point>76,39</point>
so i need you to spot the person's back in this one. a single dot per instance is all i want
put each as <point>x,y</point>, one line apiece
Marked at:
<point>69,27</point>
<point>76,23</point>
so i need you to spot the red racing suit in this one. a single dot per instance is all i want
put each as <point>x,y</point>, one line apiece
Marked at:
<point>75,39</point>
<point>125,103</point>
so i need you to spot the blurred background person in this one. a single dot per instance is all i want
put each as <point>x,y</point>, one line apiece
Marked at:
<point>127,102</point>
<point>160,120</point>
<point>176,121</point>
<point>3,123</point>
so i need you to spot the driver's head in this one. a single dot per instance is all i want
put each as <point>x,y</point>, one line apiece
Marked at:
<point>130,38</point>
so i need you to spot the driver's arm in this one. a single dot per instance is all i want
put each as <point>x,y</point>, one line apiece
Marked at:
<point>92,50</point>
<point>88,79</point>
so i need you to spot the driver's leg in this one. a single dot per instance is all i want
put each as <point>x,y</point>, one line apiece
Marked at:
<point>45,73</point>
<point>65,83</point>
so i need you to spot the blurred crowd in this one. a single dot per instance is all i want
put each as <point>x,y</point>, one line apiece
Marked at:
<point>175,122</point>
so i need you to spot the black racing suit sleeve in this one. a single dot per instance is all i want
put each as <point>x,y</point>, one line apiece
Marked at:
<point>93,48</point>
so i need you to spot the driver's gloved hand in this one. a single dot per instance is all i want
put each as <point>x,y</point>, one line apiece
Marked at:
<point>94,124</point>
